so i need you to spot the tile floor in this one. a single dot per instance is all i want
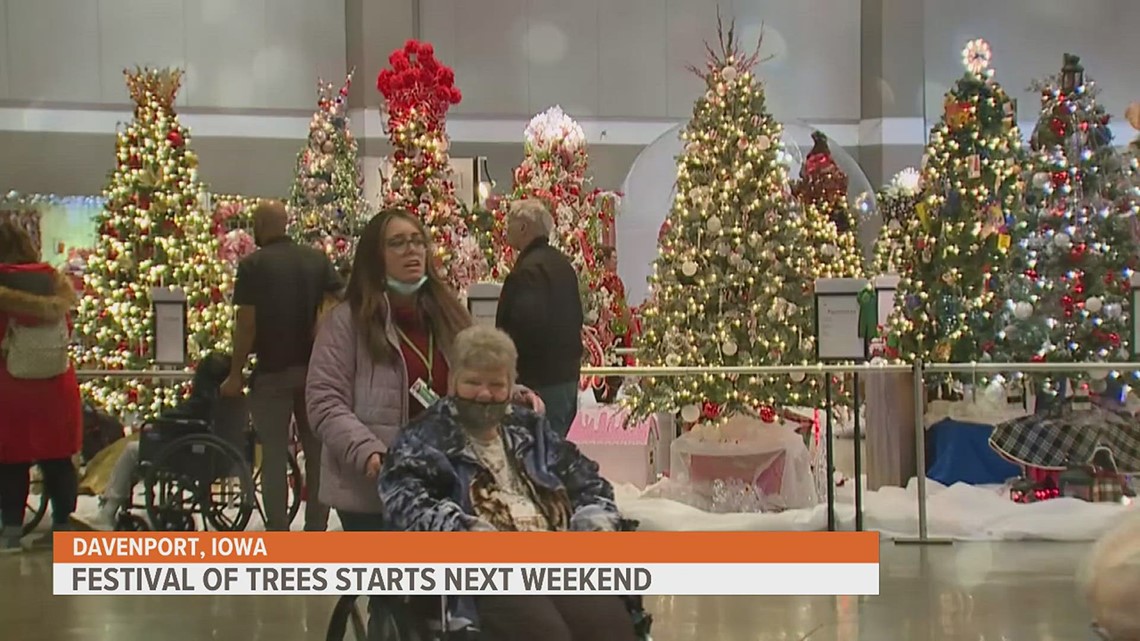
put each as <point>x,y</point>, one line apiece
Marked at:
<point>964,592</point>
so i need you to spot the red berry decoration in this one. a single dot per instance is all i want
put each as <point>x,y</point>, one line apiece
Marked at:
<point>175,138</point>
<point>768,414</point>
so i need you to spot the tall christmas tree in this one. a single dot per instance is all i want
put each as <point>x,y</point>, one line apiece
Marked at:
<point>1068,300</point>
<point>327,204</point>
<point>833,242</point>
<point>725,290</point>
<point>418,90</point>
<point>153,233</point>
<point>897,202</point>
<point>553,171</point>
<point>966,223</point>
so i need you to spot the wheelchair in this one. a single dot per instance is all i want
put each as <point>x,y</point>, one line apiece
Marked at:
<point>401,620</point>
<point>37,505</point>
<point>194,477</point>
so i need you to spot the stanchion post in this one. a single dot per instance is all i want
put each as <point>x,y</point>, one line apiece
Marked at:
<point>858,456</point>
<point>830,457</point>
<point>920,458</point>
<point>920,446</point>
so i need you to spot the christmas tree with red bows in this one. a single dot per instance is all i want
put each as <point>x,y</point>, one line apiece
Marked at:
<point>833,246</point>
<point>1069,297</point>
<point>327,204</point>
<point>553,171</point>
<point>154,232</point>
<point>418,90</point>
<point>965,224</point>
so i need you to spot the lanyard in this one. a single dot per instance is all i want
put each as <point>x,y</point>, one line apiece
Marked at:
<point>428,360</point>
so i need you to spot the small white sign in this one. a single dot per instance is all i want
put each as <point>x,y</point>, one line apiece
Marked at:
<point>483,302</point>
<point>169,325</point>
<point>886,292</point>
<point>837,319</point>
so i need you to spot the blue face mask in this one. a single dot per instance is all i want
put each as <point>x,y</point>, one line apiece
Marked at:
<point>406,289</point>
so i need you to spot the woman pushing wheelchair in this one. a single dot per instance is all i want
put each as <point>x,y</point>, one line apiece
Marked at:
<point>475,462</point>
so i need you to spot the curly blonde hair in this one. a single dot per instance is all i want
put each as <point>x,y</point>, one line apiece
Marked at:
<point>482,347</point>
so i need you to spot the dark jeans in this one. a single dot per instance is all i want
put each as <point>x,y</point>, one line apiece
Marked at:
<point>561,405</point>
<point>61,484</point>
<point>557,618</point>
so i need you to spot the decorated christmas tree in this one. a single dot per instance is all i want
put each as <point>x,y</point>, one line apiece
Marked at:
<point>897,202</point>
<point>153,233</point>
<point>553,171</point>
<point>831,227</point>
<point>1068,298</point>
<point>233,227</point>
<point>967,219</point>
<point>418,90</point>
<point>726,290</point>
<point>327,204</point>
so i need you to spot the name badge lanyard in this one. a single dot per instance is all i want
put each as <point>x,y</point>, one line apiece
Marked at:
<point>428,360</point>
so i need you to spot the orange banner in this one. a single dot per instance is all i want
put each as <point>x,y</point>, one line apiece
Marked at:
<point>467,547</point>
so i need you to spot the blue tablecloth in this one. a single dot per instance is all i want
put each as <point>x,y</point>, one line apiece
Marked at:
<point>960,452</point>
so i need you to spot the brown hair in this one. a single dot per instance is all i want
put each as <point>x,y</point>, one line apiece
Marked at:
<point>16,246</point>
<point>368,285</point>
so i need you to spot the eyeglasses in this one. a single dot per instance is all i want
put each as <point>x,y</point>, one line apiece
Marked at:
<point>401,243</point>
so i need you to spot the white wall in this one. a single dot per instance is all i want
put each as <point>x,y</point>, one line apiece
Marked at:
<point>629,58</point>
<point>236,53</point>
<point>1028,38</point>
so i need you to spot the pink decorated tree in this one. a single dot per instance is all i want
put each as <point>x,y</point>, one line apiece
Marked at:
<point>418,90</point>
<point>553,171</point>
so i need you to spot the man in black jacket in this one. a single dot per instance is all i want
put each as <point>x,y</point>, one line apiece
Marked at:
<point>541,309</point>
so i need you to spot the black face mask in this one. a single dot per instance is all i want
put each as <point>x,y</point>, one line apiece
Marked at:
<point>476,414</point>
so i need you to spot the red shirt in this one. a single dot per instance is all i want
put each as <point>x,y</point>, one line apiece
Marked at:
<point>413,330</point>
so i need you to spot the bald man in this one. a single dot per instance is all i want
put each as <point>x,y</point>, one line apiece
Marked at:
<point>278,292</point>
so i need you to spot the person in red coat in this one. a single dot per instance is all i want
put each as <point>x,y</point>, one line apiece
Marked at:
<point>41,420</point>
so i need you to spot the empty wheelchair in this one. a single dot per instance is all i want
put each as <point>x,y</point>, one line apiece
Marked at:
<point>191,478</point>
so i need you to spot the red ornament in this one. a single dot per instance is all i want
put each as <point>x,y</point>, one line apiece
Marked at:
<point>768,414</point>
<point>1037,358</point>
<point>710,410</point>
<point>175,138</point>
<point>1060,178</point>
<point>1058,126</point>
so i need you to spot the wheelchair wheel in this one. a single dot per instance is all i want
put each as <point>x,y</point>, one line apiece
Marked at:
<point>37,505</point>
<point>199,475</point>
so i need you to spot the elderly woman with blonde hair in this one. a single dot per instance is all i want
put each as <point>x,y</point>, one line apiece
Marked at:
<point>1111,582</point>
<point>475,462</point>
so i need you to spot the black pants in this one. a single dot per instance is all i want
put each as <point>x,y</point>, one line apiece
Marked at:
<point>61,484</point>
<point>557,618</point>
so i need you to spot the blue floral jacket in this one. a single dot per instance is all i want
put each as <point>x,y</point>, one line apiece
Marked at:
<point>428,474</point>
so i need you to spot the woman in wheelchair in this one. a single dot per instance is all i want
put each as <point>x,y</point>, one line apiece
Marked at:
<point>474,462</point>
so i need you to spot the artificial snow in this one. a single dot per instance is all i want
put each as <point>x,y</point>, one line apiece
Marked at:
<point>959,512</point>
